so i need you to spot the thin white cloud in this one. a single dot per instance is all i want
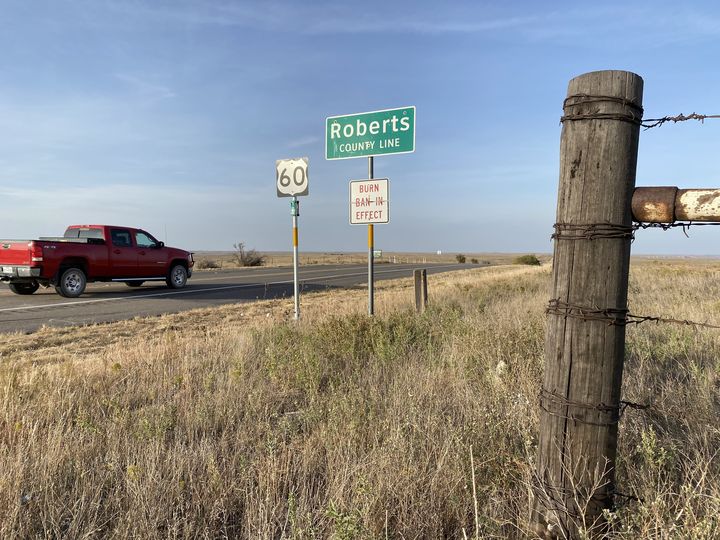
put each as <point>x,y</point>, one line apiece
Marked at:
<point>649,23</point>
<point>144,87</point>
<point>303,141</point>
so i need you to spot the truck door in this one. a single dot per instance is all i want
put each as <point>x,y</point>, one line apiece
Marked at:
<point>123,255</point>
<point>152,255</point>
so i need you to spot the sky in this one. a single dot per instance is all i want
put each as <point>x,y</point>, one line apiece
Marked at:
<point>170,115</point>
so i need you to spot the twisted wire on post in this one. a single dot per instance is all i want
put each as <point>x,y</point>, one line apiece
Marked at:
<point>592,231</point>
<point>632,114</point>
<point>548,399</point>
<point>615,412</point>
<point>613,316</point>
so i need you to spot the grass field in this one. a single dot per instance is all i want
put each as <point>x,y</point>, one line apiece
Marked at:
<point>226,259</point>
<point>236,422</point>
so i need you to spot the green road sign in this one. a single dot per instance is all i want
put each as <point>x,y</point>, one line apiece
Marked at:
<point>375,133</point>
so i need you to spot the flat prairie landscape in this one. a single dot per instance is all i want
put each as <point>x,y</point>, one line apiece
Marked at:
<point>229,259</point>
<point>237,422</point>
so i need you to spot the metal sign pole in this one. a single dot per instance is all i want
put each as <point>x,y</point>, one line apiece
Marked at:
<point>371,249</point>
<point>296,287</point>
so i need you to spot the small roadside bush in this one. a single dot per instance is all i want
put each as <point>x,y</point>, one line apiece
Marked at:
<point>531,260</point>
<point>474,261</point>
<point>245,257</point>
<point>460,258</point>
<point>205,264</point>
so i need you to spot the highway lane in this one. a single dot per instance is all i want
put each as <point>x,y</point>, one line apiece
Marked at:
<point>104,302</point>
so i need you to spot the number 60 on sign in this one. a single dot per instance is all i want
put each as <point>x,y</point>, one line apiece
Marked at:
<point>291,177</point>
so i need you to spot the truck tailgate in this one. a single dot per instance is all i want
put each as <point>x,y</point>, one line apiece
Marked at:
<point>15,252</point>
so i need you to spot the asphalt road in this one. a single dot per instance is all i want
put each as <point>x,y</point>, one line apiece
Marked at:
<point>104,302</point>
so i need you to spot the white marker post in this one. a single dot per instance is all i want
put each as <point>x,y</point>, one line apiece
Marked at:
<point>291,180</point>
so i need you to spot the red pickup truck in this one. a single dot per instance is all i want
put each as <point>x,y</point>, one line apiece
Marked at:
<point>89,253</point>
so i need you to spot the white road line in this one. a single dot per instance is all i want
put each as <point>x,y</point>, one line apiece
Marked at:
<point>194,291</point>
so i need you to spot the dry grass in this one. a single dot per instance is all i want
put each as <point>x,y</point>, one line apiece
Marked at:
<point>234,422</point>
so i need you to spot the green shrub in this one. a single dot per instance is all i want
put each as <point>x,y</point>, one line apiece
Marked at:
<point>531,260</point>
<point>460,258</point>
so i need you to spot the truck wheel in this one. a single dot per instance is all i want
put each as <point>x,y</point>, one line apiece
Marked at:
<point>134,283</point>
<point>24,288</point>
<point>71,283</point>
<point>177,278</point>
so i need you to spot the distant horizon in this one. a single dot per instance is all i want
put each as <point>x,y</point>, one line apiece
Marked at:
<point>450,252</point>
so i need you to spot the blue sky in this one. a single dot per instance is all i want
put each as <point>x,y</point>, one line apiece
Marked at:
<point>169,115</point>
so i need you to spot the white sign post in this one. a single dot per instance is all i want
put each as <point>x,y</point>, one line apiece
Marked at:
<point>291,180</point>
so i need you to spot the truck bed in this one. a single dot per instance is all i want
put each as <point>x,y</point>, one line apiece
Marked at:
<point>96,241</point>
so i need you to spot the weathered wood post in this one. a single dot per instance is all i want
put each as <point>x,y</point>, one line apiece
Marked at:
<point>585,340</point>
<point>421,294</point>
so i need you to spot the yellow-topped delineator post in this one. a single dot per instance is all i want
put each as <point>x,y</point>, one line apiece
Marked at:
<point>291,179</point>
<point>295,208</point>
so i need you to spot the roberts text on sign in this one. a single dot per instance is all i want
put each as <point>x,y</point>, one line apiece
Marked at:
<point>390,131</point>
<point>369,201</point>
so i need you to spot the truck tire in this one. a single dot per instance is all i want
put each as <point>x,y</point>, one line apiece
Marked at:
<point>177,277</point>
<point>24,288</point>
<point>72,283</point>
<point>134,283</point>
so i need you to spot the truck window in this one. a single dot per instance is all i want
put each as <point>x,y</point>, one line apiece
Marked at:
<point>143,239</point>
<point>83,232</point>
<point>91,233</point>
<point>120,238</point>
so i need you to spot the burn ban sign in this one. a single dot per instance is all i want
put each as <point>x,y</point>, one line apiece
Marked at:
<point>369,201</point>
<point>375,133</point>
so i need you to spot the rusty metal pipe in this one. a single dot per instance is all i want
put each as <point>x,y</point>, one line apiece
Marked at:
<point>670,204</point>
<point>654,204</point>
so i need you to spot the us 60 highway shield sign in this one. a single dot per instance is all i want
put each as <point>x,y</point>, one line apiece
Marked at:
<point>291,177</point>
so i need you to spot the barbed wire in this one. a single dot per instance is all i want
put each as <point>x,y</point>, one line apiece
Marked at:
<point>666,226</point>
<point>614,316</point>
<point>633,112</point>
<point>614,412</point>
<point>595,231</point>
<point>650,123</point>
<point>639,319</point>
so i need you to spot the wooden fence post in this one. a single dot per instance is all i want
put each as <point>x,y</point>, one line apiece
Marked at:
<point>421,295</point>
<point>585,340</point>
